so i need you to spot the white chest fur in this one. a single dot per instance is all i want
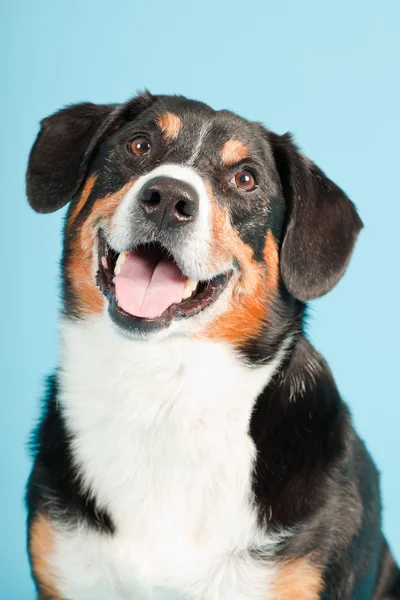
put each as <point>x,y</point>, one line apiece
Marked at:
<point>160,434</point>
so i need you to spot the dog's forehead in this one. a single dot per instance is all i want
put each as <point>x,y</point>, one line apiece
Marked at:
<point>192,112</point>
<point>195,127</point>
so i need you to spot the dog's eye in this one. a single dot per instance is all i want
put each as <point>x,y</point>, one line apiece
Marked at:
<point>245,181</point>
<point>140,146</point>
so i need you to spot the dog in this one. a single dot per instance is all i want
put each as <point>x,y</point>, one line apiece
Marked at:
<point>193,444</point>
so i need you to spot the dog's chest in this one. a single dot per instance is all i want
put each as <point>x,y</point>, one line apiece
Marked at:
<point>161,436</point>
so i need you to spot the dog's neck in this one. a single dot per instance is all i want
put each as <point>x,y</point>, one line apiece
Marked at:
<point>94,352</point>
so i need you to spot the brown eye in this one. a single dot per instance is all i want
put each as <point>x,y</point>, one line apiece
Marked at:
<point>140,146</point>
<point>245,181</point>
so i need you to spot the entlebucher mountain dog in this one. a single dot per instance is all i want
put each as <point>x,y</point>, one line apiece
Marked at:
<point>194,445</point>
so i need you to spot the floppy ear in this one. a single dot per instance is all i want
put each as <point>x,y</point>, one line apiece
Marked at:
<point>60,156</point>
<point>322,224</point>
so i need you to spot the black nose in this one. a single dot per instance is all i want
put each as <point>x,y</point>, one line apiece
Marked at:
<point>169,202</point>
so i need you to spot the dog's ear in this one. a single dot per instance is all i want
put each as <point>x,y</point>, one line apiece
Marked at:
<point>322,224</point>
<point>60,156</point>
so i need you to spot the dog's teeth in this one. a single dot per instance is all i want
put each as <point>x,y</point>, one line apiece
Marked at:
<point>104,262</point>
<point>121,259</point>
<point>190,287</point>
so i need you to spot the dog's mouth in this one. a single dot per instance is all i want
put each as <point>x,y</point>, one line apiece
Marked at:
<point>146,288</point>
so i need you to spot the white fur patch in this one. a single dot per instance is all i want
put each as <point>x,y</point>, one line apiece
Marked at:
<point>160,432</point>
<point>200,140</point>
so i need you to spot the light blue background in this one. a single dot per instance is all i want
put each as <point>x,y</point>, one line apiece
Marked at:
<point>328,71</point>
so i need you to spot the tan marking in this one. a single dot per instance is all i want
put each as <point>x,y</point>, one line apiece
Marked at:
<point>80,268</point>
<point>233,151</point>
<point>87,190</point>
<point>41,548</point>
<point>170,125</point>
<point>252,295</point>
<point>298,580</point>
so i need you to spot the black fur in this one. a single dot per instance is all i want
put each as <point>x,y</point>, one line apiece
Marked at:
<point>314,474</point>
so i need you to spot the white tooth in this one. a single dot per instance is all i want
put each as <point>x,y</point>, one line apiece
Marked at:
<point>193,285</point>
<point>121,259</point>
<point>186,293</point>
<point>104,262</point>
<point>190,287</point>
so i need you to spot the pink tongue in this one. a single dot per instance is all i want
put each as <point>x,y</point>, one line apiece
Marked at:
<point>146,286</point>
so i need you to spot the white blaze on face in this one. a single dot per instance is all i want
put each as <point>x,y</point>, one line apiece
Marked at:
<point>193,246</point>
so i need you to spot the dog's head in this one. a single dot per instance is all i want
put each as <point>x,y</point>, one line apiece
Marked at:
<point>188,220</point>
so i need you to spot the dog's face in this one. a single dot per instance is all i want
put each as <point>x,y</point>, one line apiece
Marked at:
<point>187,220</point>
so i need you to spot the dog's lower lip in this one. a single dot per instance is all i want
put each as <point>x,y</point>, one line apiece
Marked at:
<point>207,293</point>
